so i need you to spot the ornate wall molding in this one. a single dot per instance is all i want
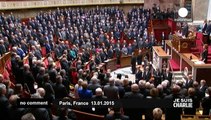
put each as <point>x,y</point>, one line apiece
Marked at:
<point>61,3</point>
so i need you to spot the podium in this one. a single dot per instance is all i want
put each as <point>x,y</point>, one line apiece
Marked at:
<point>160,57</point>
<point>110,64</point>
<point>183,45</point>
<point>125,61</point>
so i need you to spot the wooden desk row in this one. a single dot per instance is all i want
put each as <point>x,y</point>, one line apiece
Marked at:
<point>111,64</point>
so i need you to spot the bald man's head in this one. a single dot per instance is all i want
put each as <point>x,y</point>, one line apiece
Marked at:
<point>111,81</point>
<point>41,92</point>
<point>134,88</point>
<point>13,99</point>
<point>99,92</point>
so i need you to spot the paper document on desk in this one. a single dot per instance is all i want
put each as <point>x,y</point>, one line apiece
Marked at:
<point>199,62</point>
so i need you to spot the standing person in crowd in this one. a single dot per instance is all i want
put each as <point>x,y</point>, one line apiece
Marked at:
<point>167,75</point>
<point>4,103</point>
<point>204,54</point>
<point>208,31</point>
<point>139,57</point>
<point>189,82</point>
<point>100,96</point>
<point>185,30</point>
<point>206,103</point>
<point>134,113</point>
<point>133,63</point>
<point>110,90</point>
<point>204,26</point>
<point>169,115</point>
<point>195,103</point>
<point>203,86</point>
<point>116,115</point>
<point>28,78</point>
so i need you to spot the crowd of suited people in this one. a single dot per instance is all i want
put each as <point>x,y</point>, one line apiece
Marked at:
<point>95,35</point>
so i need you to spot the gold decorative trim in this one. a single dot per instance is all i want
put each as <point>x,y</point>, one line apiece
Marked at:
<point>185,45</point>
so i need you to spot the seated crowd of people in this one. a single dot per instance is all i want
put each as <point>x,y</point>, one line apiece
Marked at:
<point>75,36</point>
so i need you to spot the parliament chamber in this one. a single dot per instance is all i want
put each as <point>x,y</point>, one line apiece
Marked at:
<point>105,60</point>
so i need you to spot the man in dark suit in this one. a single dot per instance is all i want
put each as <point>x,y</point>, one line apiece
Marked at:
<point>206,103</point>
<point>189,82</point>
<point>185,30</point>
<point>157,77</point>
<point>28,78</point>
<point>4,104</point>
<point>133,63</point>
<point>173,113</point>
<point>203,87</point>
<point>99,96</point>
<point>16,112</point>
<point>139,75</point>
<point>147,74</point>
<point>134,113</point>
<point>167,76</point>
<point>39,113</point>
<point>111,91</point>
<point>208,31</point>
<point>204,53</point>
<point>117,115</point>
<point>204,27</point>
<point>59,88</point>
<point>93,85</point>
<point>139,57</point>
<point>196,102</point>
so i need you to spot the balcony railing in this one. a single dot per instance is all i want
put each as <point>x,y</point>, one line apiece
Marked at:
<point>7,5</point>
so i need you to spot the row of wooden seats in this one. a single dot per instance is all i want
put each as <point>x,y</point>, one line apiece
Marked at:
<point>195,117</point>
<point>87,116</point>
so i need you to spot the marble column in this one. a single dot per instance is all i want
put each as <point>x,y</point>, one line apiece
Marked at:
<point>209,11</point>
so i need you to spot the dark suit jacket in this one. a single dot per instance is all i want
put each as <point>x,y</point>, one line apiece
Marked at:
<point>133,61</point>
<point>185,31</point>
<point>39,113</point>
<point>100,110</point>
<point>29,80</point>
<point>16,113</point>
<point>168,77</point>
<point>206,105</point>
<point>133,113</point>
<point>147,75</point>
<point>116,117</point>
<point>204,55</point>
<point>157,77</point>
<point>208,30</point>
<point>173,113</point>
<point>203,88</point>
<point>139,59</point>
<point>4,108</point>
<point>196,104</point>
<point>204,28</point>
<point>60,91</point>
<point>189,84</point>
<point>93,87</point>
<point>139,76</point>
<point>112,92</point>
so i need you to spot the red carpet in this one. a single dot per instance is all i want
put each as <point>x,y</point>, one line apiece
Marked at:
<point>174,65</point>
